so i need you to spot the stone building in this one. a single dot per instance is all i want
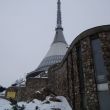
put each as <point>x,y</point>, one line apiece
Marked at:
<point>38,78</point>
<point>84,74</point>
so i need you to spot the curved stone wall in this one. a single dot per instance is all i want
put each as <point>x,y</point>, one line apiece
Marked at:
<point>84,74</point>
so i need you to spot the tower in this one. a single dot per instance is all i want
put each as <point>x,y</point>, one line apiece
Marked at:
<point>57,49</point>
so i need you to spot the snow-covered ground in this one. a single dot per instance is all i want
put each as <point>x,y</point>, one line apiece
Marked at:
<point>2,94</point>
<point>45,105</point>
<point>4,104</point>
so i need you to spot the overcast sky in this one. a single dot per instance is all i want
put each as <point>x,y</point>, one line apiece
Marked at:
<point>27,29</point>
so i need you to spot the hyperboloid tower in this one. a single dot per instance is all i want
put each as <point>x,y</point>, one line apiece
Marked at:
<point>57,49</point>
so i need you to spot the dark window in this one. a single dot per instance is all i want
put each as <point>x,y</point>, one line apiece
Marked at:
<point>101,75</point>
<point>104,99</point>
<point>100,69</point>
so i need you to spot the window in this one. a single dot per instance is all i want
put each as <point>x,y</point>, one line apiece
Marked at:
<point>100,68</point>
<point>101,75</point>
<point>104,100</point>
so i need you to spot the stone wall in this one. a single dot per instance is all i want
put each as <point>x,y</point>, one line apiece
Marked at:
<point>58,80</point>
<point>21,94</point>
<point>91,98</point>
<point>105,39</point>
<point>35,84</point>
<point>76,101</point>
<point>75,76</point>
<point>24,93</point>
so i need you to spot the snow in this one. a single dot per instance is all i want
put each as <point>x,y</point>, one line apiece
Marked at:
<point>42,105</point>
<point>38,92</point>
<point>20,82</point>
<point>63,105</point>
<point>2,93</point>
<point>4,104</point>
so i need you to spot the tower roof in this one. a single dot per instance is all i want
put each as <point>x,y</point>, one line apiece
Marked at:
<point>58,47</point>
<point>59,37</point>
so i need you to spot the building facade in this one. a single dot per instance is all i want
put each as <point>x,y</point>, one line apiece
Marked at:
<point>84,74</point>
<point>81,74</point>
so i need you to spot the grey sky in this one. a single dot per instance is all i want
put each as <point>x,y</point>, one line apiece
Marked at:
<point>27,28</point>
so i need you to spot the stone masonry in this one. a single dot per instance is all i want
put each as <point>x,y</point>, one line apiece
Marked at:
<point>80,88</point>
<point>74,77</point>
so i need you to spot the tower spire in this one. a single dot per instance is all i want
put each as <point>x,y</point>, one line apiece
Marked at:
<point>59,37</point>
<point>59,21</point>
<point>57,50</point>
